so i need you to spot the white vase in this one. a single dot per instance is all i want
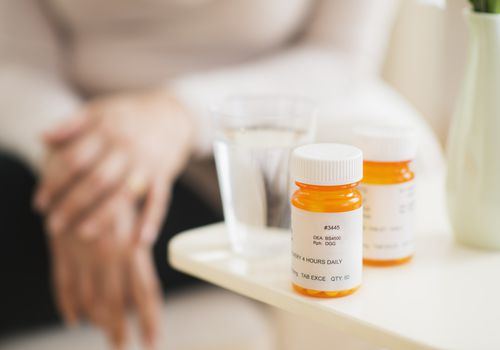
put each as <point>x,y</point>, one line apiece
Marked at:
<point>473,181</point>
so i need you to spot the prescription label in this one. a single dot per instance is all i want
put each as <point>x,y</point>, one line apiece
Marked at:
<point>327,249</point>
<point>389,220</point>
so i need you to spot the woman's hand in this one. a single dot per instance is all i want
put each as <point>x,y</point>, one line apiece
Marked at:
<point>100,279</point>
<point>102,287</point>
<point>113,163</point>
<point>134,143</point>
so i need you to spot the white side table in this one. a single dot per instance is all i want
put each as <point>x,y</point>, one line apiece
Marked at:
<point>448,297</point>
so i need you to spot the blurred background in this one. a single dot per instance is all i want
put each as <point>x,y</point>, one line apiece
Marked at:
<point>62,61</point>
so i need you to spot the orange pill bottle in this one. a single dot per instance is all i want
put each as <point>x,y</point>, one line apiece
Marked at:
<point>388,190</point>
<point>327,216</point>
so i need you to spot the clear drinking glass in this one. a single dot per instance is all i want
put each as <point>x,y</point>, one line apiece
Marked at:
<point>253,140</point>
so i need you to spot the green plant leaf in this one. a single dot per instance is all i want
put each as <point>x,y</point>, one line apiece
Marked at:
<point>488,6</point>
<point>493,6</point>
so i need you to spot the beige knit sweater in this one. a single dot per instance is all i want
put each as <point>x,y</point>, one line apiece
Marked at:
<point>55,52</point>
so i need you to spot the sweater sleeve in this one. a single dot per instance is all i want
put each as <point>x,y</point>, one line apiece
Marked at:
<point>342,43</point>
<point>33,92</point>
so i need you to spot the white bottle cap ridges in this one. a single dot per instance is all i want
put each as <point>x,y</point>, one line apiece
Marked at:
<point>386,144</point>
<point>327,164</point>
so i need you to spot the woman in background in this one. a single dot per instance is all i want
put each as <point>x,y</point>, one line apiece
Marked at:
<point>105,100</point>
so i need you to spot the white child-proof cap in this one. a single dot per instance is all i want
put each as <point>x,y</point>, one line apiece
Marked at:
<point>327,164</point>
<point>386,144</point>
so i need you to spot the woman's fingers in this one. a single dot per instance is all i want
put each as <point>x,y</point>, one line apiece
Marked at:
<point>65,164</point>
<point>88,283</point>
<point>114,223</point>
<point>83,200</point>
<point>115,296</point>
<point>154,210</point>
<point>110,280</point>
<point>67,130</point>
<point>145,293</point>
<point>109,216</point>
<point>65,279</point>
<point>113,253</point>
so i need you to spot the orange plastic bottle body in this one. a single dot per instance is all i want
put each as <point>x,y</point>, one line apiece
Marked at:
<point>387,173</point>
<point>326,199</point>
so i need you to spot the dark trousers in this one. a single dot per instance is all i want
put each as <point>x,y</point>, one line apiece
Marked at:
<point>26,300</point>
